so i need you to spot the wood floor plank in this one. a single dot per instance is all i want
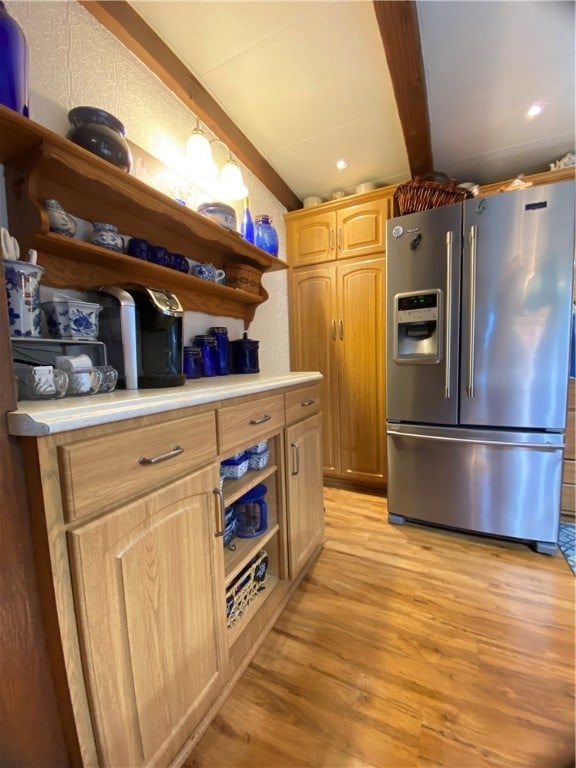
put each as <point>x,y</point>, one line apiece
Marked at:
<point>408,647</point>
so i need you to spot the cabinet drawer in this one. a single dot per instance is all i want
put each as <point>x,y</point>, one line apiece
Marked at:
<point>243,425</point>
<point>302,403</point>
<point>99,474</point>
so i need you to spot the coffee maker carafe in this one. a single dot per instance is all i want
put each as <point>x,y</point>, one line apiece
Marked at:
<point>159,327</point>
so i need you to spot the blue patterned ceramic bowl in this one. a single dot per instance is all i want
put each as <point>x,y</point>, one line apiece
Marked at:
<point>72,319</point>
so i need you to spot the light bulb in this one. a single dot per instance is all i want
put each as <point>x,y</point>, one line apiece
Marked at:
<point>232,185</point>
<point>199,162</point>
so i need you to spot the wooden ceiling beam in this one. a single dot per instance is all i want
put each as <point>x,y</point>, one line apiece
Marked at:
<point>398,23</point>
<point>136,35</point>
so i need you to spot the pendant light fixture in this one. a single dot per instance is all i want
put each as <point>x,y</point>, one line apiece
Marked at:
<point>199,161</point>
<point>232,184</point>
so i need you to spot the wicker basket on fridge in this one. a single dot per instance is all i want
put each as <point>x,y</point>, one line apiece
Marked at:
<point>423,193</point>
<point>243,276</point>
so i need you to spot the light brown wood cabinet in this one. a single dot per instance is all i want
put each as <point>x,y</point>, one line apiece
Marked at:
<point>128,519</point>
<point>339,230</point>
<point>337,326</point>
<point>304,492</point>
<point>148,586</point>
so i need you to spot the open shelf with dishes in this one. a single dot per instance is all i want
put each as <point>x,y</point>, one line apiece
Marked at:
<point>254,563</point>
<point>42,165</point>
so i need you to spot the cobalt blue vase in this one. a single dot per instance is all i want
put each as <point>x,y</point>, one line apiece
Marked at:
<point>13,64</point>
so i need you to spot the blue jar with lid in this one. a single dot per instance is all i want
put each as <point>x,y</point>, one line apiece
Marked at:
<point>265,236</point>
<point>223,348</point>
<point>207,346</point>
<point>192,362</point>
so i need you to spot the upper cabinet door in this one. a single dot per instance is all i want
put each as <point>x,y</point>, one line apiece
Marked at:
<point>311,239</point>
<point>361,229</point>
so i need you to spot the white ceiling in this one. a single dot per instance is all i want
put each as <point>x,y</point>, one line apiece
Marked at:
<point>307,83</point>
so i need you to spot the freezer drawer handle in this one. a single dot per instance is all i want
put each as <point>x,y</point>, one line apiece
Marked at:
<point>448,358</point>
<point>472,310</point>
<point>496,443</point>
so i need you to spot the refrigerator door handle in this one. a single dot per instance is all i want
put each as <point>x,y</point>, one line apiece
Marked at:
<point>504,444</point>
<point>472,309</point>
<point>448,324</point>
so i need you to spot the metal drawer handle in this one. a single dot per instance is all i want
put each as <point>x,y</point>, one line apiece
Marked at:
<point>306,403</point>
<point>296,461</point>
<point>176,451</point>
<point>261,420</point>
<point>222,510</point>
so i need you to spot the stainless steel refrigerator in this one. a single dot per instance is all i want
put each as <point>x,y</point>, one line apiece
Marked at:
<point>479,301</point>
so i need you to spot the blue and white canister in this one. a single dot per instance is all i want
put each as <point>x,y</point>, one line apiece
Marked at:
<point>23,294</point>
<point>60,220</point>
<point>106,236</point>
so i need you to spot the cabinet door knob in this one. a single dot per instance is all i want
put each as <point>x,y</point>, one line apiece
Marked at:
<point>176,451</point>
<point>261,420</point>
<point>306,403</point>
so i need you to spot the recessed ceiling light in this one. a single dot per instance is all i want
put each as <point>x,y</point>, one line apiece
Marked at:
<point>534,109</point>
<point>341,164</point>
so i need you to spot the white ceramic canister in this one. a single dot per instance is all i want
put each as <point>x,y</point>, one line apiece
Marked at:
<point>23,293</point>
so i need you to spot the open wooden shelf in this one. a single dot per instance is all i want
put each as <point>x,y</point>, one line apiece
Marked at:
<point>40,165</point>
<point>233,489</point>
<point>245,550</point>
<point>236,629</point>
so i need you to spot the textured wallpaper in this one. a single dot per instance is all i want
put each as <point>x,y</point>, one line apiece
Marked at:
<point>74,61</point>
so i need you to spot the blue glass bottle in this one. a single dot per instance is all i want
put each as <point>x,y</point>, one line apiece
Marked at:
<point>265,236</point>
<point>247,225</point>
<point>13,64</point>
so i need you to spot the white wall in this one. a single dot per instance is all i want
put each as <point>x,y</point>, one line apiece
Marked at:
<point>74,61</point>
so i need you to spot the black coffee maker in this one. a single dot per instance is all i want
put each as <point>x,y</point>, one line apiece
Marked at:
<point>159,331</point>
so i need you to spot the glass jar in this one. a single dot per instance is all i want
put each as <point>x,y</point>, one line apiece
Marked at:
<point>265,236</point>
<point>223,347</point>
<point>207,346</point>
<point>192,362</point>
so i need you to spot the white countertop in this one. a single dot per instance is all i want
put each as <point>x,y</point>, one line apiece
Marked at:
<point>45,417</point>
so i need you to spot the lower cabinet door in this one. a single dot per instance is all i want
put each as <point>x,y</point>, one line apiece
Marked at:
<point>305,496</point>
<point>149,586</point>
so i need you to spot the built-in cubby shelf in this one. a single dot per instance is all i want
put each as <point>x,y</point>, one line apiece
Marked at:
<point>41,164</point>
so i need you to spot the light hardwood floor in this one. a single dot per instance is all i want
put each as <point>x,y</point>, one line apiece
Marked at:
<point>408,647</point>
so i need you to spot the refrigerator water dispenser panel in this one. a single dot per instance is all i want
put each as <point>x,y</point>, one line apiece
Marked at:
<point>418,327</point>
